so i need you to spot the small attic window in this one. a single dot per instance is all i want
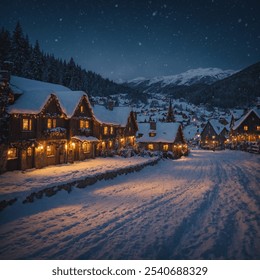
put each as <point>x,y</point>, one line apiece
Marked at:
<point>152,134</point>
<point>81,109</point>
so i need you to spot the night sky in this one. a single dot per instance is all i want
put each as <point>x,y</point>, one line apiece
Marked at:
<point>128,39</point>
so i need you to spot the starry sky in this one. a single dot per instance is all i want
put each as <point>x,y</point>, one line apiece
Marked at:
<point>128,39</point>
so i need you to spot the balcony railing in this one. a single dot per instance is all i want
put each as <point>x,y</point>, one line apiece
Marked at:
<point>56,132</point>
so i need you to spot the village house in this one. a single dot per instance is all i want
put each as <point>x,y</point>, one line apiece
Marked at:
<point>116,127</point>
<point>246,130</point>
<point>164,137</point>
<point>50,124</point>
<point>214,134</point>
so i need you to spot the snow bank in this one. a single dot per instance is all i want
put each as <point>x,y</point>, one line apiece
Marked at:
<point>35,183</point>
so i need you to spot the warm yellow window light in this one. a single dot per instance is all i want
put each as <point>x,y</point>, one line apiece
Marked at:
<point>27,124</point>
<point>165,147</point>
<point>105,130</point>
<point>150,147</point>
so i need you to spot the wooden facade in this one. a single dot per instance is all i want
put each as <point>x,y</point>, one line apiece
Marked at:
<point>213,135</point>
<point>60,130</point>
<point>162,137</point>
<point>247,128</point>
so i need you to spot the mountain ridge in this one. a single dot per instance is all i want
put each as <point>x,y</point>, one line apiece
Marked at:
<point>190,77</point>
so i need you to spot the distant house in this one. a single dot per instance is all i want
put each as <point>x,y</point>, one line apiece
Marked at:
<point>163,137</point>
<point>247,128</point>
<point>214,134</point>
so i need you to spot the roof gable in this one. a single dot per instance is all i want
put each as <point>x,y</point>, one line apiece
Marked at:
<point>35,95</point>
<point>241,120</point>
<point>165,132</point>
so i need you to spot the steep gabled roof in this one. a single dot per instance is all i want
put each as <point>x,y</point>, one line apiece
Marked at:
<point>117,116</point>
<point>30,102</point>
<point>165,132</point>
<point>35,94</point>
<point>241,120</point>
<point>217,126</point>
<point>69,100</point>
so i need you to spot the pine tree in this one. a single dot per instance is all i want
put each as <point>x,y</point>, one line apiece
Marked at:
<point>4,120</point>
<point>5,46</point>
<point>18,50</point>
<point>170,115</point>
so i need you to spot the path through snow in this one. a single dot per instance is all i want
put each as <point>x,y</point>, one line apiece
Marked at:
<point>206,206</point>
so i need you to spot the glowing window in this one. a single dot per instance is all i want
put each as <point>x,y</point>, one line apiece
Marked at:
<point>258,128</point>
<point>81,109</point>
<point>105,130</point>
<point>29,152</point>
<point>111,130</point>
<point>12,153</point>
<point>27,124</point>
<point>165,147</point>
<point>245,128</point>
<point>50,150</point>
<point>83,124</point>
<point>150,147</point>
<point>51,123</point>
<point>86,147</point>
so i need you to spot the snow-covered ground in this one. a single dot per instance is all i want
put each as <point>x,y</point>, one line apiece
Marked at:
<point>205,206</point>
<point>19,184</point>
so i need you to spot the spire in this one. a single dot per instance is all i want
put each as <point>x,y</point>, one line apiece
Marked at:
<point>170,114</point>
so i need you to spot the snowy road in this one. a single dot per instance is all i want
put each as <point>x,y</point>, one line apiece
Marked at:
<point>206,206</point>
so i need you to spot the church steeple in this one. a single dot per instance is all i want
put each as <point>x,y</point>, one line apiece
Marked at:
<point>170,115</point>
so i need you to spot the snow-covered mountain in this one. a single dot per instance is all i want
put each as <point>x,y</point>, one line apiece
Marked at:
<point>190,77</point>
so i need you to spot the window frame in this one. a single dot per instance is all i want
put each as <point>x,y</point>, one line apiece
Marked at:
<point>84,124</point>
<point>26,124</point>
<point>12,153</point>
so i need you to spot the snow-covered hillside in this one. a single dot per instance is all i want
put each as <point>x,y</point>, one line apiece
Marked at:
<point>205,206</point>
<point>190,77</point>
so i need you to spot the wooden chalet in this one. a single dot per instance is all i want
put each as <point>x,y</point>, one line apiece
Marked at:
<point>116,128</point>
<point>50,124</point>
<point>163,137</point>
<point>247,128</point>
<point>214,134</point>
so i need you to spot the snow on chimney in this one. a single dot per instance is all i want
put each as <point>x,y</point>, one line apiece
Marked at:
<point>153,125</point>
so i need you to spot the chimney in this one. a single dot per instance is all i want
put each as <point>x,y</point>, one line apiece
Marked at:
<point>153,125</point>
<point>110,104</point>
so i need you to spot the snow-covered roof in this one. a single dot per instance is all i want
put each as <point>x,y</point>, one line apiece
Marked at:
<point>83,138</point>
<point>117,116</point>
<point>165,132</point>
<point>190,131</point>
<point>237,113</point>
<point>35,94</point>
<point>239,122</point>
<point>69,100</point>
<point>30,102</point>
<point>217,126</point>
<point>22,84</point>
